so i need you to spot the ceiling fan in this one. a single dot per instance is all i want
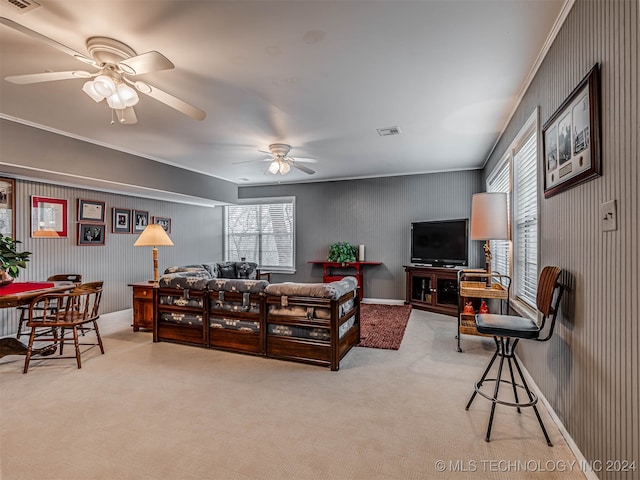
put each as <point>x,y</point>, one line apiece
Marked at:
<point>115,62</point>
<point>281,162</point>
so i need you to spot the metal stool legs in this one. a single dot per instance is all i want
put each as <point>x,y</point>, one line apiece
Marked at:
<point>505,349</point>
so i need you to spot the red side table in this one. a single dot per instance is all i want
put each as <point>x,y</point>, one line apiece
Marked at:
<point>332,271</point>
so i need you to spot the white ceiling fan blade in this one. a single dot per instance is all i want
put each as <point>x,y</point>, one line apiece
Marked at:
<point>48,77</point>
<point>302,168</point>
<point>170,100</point>
<point>48,41</point>
<point>145,63</point>
<point>253,161</point>
<point>306,160</point>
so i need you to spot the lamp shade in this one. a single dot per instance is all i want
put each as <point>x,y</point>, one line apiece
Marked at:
<point>489,216</point>
<point>153,236</point>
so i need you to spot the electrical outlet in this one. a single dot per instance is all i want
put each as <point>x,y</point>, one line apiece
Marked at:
<point>608,216</point>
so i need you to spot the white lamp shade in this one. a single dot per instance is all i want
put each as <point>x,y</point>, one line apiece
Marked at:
<point>116,102</point>
<point>128,95</point>
<point>274,167</point>
<point>284,168</point>
<point>489,216</point>
<point>104,86</point>
<point>153,236</point>
<point>90,89</point>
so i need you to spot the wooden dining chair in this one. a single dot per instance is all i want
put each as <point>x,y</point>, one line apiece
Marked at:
<point>24,309</point>
<point>63,316</point>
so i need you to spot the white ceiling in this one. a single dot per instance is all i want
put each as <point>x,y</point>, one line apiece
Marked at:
<point>320,75</point>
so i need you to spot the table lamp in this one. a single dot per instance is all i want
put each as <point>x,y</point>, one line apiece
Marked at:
<point>154,236</point>
<point>489,221</point>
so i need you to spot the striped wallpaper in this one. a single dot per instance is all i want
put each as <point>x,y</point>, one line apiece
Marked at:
<point>590,370</point>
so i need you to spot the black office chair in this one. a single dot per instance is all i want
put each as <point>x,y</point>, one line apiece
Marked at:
<point>507,330</point>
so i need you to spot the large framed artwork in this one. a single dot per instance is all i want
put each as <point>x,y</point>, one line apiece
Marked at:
<point>48,217</point>
<point>8,207</point>
<point>571,138</point>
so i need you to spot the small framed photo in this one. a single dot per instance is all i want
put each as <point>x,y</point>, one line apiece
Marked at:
<point>90,211</point>
<point>48,217</point>
<point>91,233</point>
<point>164,222</point>
<point>121,222</point>
<point>140,220</point>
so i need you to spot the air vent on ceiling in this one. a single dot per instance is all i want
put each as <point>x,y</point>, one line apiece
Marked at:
<point>384,132</point>
<point>23,6</point>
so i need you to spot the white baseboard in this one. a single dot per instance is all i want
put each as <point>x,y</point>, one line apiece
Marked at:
<point>384,301</point>
<point>580,458</point>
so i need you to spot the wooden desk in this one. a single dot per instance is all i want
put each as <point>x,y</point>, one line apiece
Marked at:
<point>331,271</point>
<point>8,299</point>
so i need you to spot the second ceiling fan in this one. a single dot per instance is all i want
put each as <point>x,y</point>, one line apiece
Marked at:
<point>281,162</point>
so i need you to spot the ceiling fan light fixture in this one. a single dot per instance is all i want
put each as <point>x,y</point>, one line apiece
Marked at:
<point>284,168</point>
<point>104,85</point>
<point>274,167</point>
<point>116,102</point>
<point>127,94</point>
<point>90,89</point>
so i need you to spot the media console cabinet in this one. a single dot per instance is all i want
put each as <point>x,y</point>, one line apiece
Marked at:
<point>432,288</point>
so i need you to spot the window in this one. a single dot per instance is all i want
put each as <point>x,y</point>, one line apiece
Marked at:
<point>500,181</point>
<point>517,175</point>
<point>261,232</point>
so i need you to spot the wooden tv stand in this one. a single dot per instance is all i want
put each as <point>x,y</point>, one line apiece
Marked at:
<point>432,288</point>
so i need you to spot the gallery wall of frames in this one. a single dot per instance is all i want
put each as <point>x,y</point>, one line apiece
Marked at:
<point>78,230</point>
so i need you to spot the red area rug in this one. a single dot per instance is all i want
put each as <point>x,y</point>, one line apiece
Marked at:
<point>383,326</point>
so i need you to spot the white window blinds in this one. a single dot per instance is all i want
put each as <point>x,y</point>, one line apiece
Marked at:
<point>525,219</point>
<point>501,182</point>
<point>261,232</point>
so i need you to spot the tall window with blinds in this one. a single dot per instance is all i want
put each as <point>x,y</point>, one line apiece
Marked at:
<point>525,219</point>
<point>500,181</point>
<point>516,175</point>
<point>261,232</point>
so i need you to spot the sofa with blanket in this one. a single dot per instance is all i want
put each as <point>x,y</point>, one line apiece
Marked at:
<point>226,306</point>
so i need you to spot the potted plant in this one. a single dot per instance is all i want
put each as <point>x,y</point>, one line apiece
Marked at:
<point>342,252</point>
<point>11,260</point>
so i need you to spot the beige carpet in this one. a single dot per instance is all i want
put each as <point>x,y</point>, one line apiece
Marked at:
<point>166,411</point>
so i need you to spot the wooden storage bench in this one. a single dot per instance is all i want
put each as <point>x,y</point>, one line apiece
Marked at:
<point>236,315</point>
<point>312,323</point>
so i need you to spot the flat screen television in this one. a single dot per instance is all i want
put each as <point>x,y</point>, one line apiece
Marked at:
<point>440,243</point>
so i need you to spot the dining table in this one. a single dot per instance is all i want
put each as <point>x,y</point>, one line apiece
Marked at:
<point>22,293</point>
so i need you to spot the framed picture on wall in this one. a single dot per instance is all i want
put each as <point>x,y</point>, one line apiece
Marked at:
<point>571,138</point>
<point>91,233</point>
<point>140,220</point>
<point>121,220</point>
<point>48,217</point>
<point>90,211</point>
<point>7,207</point>
<point>164,222</point>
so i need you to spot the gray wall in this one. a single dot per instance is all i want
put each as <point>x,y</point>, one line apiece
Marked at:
<point>195,231</point>
<point>374,212</point>
<point>590,370</point>
<point>37,154</point>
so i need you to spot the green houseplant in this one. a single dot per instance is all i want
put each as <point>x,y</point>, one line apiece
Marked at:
<point>11,260</point>
<point>342,252</point>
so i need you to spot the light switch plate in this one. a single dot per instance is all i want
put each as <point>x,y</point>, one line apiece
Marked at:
<point>608,216</point>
